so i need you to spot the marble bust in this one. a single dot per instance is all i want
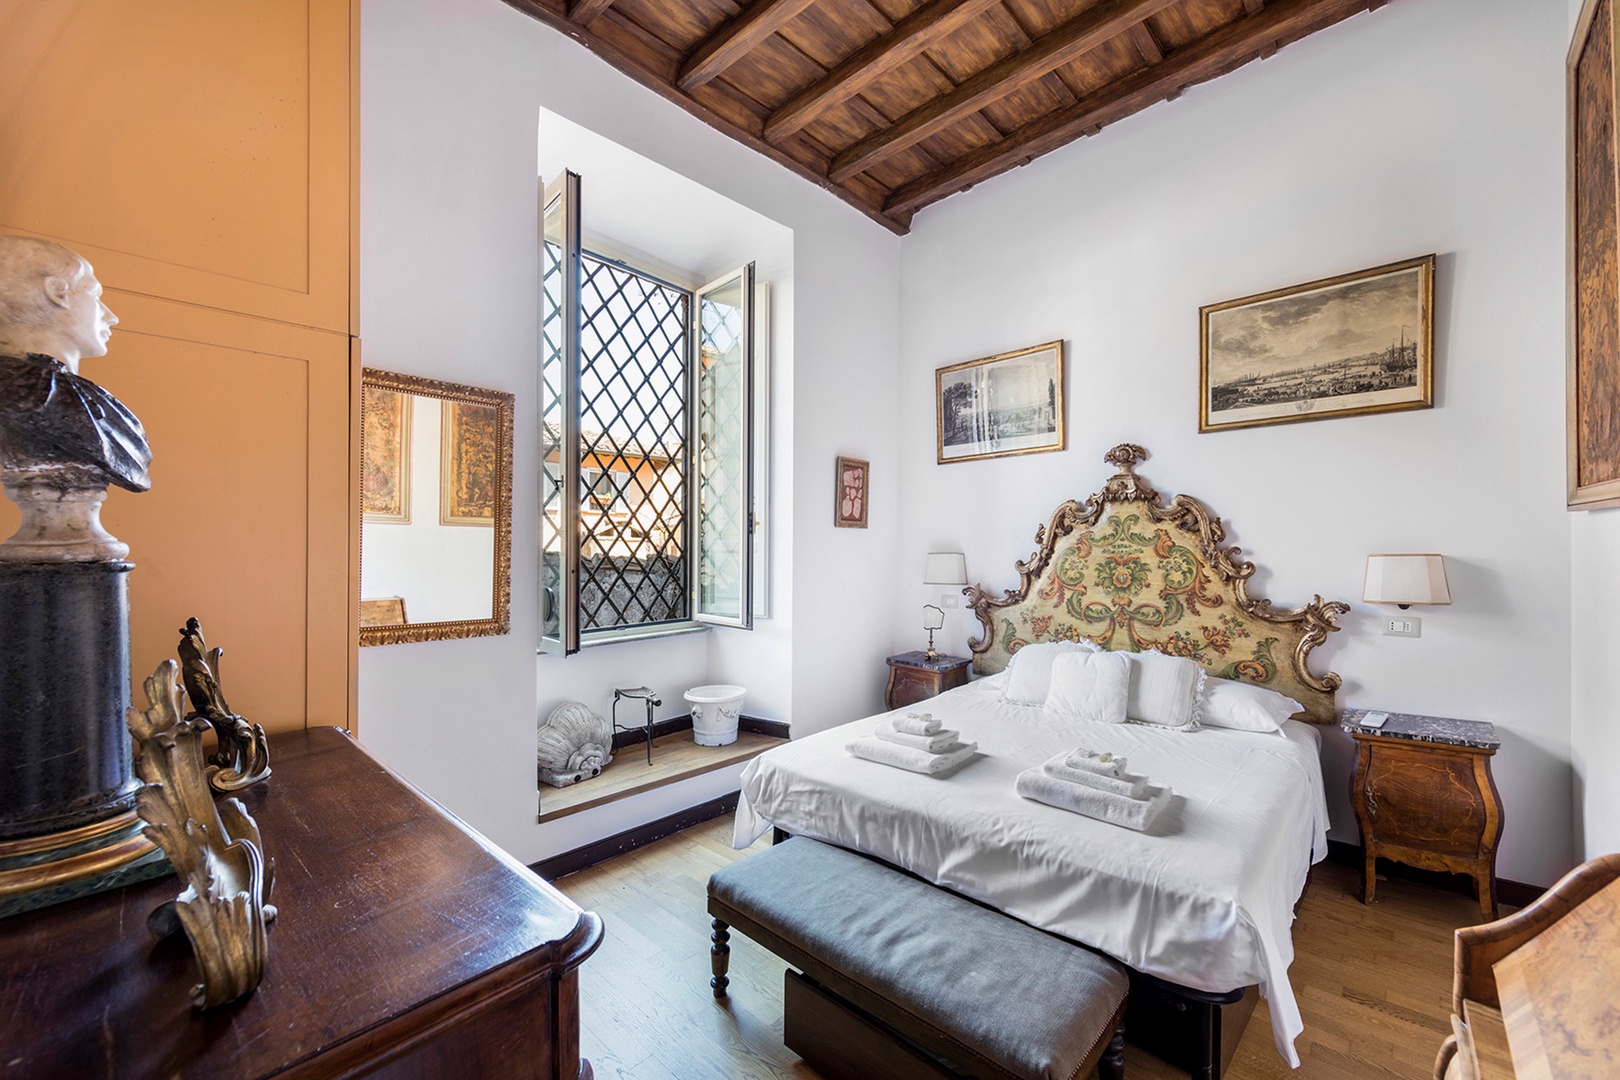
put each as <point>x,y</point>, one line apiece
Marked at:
<point>63,439</point>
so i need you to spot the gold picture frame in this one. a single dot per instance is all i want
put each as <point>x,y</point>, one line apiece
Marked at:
<point>1592,382</point>
<point>385,466</point>
<point>852,493</point>
<point>1349,345</point>
<point>1003,405</point>
<point>469,463</point>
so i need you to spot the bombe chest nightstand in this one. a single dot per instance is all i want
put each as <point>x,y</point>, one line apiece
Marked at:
<point>913,677</point>
<point>1423,795</point>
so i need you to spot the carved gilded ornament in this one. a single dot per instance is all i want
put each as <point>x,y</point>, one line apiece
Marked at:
<point>1127,571</point>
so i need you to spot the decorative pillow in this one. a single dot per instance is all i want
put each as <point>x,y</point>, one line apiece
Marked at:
<point>1166,690</point>
<point>1245,707</point>
<point>1029,672</point>
<point>1090,686</point>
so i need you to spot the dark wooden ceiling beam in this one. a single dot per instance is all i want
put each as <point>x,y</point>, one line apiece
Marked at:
<point>1195,62</point>
<point>909,38</point>
<point>1146,43</point>
<point>1074,38</point>
<point>1253,6</point>
<point>585,11</point>
<point>731,41</point>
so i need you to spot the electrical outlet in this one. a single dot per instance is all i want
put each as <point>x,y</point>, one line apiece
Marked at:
<point>949,599</point>
<point>1403,626</point>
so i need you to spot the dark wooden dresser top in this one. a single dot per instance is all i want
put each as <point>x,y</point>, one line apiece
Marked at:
<point>388,906</point>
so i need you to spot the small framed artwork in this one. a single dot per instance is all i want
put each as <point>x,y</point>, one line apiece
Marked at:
<point>1343,346</point>
<point>385,456</point>
<point>849,511</point>
<point>469,467</point>
<point>1593,206</point>
<point>1007,404</point>
<point>383,611</point>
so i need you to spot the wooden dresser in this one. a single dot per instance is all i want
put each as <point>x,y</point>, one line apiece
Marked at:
<point>1423,795</point>
<point>406,946</point>
<point>913,677</point>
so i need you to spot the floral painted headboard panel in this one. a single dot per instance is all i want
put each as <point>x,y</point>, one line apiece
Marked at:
<point>1129,572</point>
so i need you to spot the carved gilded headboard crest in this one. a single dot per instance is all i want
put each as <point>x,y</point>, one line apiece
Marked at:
<point>1129,572</point>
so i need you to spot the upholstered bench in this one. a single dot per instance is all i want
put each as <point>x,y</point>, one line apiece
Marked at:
<point>905,979</point>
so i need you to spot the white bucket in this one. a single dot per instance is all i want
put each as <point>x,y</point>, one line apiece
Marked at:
<point>714,713</point>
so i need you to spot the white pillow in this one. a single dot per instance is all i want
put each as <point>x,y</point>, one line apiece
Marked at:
<point>1090,686</point>
<point>1166,690</point>
<point>1245,707</point>
<point>1029,672</point>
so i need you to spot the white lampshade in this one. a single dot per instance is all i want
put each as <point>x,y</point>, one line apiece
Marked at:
<point>1406,579</point>
<point>945,568</point>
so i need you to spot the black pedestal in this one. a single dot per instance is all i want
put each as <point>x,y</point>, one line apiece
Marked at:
<point>64,686</point>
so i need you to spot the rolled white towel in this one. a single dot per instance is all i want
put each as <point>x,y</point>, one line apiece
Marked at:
<point>1104,764</point>
<point>934,744</point>
<point>1132,787</point>
<point>1137,814</point>
<point>918,723</point>
<point>906,757</point>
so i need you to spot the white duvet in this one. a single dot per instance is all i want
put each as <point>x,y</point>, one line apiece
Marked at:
<point>1205,899</point>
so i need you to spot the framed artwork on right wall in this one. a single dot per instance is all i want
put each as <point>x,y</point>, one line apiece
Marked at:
<point>1593,379</point>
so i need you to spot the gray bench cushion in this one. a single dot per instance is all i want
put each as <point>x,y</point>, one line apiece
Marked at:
<point>1032,1003</point>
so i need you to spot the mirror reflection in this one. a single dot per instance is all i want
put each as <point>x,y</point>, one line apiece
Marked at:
<point>435,528</point>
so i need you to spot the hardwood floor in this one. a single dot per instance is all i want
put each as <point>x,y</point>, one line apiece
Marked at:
<point>1373,983</point>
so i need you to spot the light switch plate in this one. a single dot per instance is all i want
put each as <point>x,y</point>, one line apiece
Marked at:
<point>1403,626</point>
<point>949,599</point>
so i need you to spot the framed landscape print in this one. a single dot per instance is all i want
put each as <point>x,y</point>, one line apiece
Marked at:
<point>1593,378</point>
<point>469,467</point>
<point>849,509</point>
<point>385,451</point>
<point>1353,344</point>
<point>1002,405</point>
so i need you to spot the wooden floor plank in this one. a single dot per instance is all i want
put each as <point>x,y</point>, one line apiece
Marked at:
<point>1373,982</point>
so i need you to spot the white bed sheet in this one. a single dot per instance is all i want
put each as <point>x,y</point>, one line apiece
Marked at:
<point>1204,900</point>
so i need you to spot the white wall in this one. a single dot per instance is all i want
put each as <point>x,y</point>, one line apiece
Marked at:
<point>1595,709</point>
<point>450,97</point>
<point>1425,126</point>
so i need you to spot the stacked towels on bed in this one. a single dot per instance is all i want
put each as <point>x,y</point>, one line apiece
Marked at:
<point>1096,785</point>
<point>916,742</point>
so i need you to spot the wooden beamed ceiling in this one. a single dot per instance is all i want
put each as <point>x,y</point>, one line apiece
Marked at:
<point>896,104</point>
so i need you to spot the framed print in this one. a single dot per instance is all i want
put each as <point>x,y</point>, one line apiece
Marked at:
<point>470,464</point>
<point>849,510</point>
<point>1353,344</point>
<point>1002,405</point>
<point>383,611</point>
<point>1593,377</point>
<point>385,456</point>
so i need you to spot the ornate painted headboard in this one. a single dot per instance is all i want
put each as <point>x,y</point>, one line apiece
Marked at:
<point>1128,572</point>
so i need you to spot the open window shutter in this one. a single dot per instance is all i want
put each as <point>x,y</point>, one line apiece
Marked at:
<point>559,415</point>
<point>723,495</point>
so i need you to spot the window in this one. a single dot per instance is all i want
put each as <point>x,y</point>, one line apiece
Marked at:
<point>647,440</point>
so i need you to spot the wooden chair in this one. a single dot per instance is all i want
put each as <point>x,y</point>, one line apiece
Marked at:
<point>1478,1045</point>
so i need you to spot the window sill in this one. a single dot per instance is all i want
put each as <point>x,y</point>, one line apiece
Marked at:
<point>615,637</point>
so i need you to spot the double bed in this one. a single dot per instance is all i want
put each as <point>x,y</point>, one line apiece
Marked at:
<point>1204,900</point>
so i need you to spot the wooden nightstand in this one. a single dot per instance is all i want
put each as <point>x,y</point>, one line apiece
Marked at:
<point>1423,795</point>
<point>913,677</point>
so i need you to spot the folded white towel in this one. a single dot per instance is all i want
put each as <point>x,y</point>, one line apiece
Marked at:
<point>918,723</point>
<point>1106,764</point>
<point>1138,814</point>
<point>905,757</point>
<point>1132,787</point>
<point>934,744</point>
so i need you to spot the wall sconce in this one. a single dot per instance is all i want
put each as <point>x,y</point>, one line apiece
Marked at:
<point>1404,580</point>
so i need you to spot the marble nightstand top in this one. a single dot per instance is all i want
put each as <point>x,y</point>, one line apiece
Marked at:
<point>1435,729</point>
<point>919,659</point>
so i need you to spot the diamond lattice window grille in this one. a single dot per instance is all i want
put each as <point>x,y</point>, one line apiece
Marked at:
<point>633,417</point>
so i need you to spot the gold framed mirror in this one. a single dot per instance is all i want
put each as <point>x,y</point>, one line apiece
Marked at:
<point>435,509</point>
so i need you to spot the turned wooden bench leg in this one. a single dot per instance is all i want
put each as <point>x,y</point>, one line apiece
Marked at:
<point>1112,1066</point>
<point>720,958</point>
